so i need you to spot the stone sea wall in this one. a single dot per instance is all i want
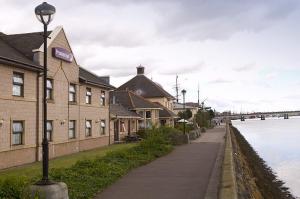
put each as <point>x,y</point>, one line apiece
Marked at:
<point>254,178</point>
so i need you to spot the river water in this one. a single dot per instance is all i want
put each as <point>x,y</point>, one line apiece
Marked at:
<point>277,141</point>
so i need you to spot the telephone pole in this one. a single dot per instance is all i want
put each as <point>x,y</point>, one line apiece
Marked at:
<point>176,88</point>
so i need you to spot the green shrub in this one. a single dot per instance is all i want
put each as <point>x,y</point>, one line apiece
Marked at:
<point>88,177</point>
<point>14,188</point>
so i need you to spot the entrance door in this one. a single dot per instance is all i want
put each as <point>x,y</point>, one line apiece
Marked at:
<point>116,130</point>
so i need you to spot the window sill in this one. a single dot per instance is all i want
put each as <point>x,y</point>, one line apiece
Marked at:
<point>50,101</point>
<point>72,103</point>
<point>17,146</point>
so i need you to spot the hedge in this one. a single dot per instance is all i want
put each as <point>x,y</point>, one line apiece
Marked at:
<point>88,177</point>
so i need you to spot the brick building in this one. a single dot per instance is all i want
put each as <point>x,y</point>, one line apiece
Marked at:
<point>153,92</point>
<point>78,108</point>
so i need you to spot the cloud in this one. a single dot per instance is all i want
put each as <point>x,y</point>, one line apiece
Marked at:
<point>184,69</point>
<point>246,67</point>
<point>220,81</point>
<point>271,75</point>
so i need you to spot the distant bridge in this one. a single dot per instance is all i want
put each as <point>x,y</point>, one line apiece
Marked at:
<point>262,115</point>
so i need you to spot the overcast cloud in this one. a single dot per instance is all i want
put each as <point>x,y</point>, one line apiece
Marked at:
<point>242,53</point>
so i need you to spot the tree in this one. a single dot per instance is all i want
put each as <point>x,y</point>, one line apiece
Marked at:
<point>185,114</point>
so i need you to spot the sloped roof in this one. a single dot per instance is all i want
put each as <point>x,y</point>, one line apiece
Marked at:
<point>165,112</point>
<point>91,78</point>
<point>26,42</point>
<point>117,110</point>
<point>11,56</point>
<point>145,87</point>
<point>132,101</point>
<point>181,106</point>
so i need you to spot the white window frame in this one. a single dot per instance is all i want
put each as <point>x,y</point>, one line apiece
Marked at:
<point>72,92</point>
<point>18,82</point>
<point>88,128</point>
<point>18,132</point>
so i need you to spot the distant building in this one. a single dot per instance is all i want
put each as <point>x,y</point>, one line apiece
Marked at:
<point>178,107</point>
<point>124,121</point>
<point>146,88</point>
<point>78,108</point>
<point>147,111</point>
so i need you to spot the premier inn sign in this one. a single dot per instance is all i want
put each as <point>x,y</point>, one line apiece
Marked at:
<point>62,54</point>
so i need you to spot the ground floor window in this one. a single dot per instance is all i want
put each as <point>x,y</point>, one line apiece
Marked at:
<point>102,127</point>
<point>122,128</point>
<point>163,122</point>
<point>49,130</point>
<point>72,129</point>
<point>141,124</point>
<point>18,131</point>
<point>148,123</point>
<point>88,128</point>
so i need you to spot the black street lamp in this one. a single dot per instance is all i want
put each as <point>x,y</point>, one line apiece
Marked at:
<point>45,12</point>
<point>184,113</point>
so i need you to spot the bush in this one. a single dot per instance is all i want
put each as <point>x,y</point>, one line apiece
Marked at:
<point>14,188</point>
<point>88,177</point>
<point>188,127</point>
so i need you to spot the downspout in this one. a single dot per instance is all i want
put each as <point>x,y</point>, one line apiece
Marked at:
<point>109,118</point>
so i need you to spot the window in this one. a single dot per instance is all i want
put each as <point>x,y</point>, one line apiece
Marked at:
<point>102,127</point>
<point>88,96</point>
<point>148,119</point>
<point>18,84</point>
<point>102,98</point>
<point>72,129</point>
<point>49,130</point>
<point>141,124</point>
<point>123,128</point>
<point>18,132</point>
<point>88,128</point>
<point>72,93</point>
<point>49,95</point>
<point>148,114</point>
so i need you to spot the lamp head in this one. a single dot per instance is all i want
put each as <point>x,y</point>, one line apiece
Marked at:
<point>45,13</point>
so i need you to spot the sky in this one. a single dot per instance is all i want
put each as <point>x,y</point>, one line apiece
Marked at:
<point>244,55</point>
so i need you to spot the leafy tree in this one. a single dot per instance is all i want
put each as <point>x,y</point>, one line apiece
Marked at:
<point>185,114</point>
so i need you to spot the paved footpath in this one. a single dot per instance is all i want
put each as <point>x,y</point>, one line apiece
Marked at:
<point>189,172</point>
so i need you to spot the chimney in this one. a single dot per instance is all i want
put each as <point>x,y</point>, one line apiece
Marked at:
<point>140,70</point>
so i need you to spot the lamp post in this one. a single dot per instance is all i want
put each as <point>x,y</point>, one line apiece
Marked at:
<point>183,95</point>
<point>45,12</point>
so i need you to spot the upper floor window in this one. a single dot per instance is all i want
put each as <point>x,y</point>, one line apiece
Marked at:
<point>18,131</point>
<point>88,96</point>
<point>72,93</point>
<point>72,132</point>
<point>102,127</point>
<point>102,98</point>
<point>49,130</point>
<point>18,84</point>
<point>88,128</point>
<point>49,89</point>
<point>148,114</point>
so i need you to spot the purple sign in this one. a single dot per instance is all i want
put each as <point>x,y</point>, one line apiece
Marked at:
<point>62,53</point>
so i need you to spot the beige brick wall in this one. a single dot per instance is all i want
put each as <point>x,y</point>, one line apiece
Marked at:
<point>59,111</point>
<point>21,109</point>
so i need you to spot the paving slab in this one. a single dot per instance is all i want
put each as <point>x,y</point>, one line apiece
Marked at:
<point>184,173</point>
